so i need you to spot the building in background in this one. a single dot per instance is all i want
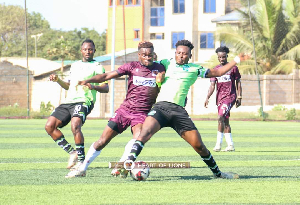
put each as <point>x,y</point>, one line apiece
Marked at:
<point>164,22</point>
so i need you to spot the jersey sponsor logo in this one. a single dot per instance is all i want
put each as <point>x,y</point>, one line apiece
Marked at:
<point>154,72</point>
<point>224,78</point>
<point>148,82</point>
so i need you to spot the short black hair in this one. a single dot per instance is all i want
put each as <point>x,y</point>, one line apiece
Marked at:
<point>185,43</point>
<point>88,41</point>
<point>222,49</point>
<point>145,44</point>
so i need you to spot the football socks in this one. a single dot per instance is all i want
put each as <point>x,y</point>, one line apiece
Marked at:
<point>209,160</point>
<point>136,150</point>
<point>80,152</point>
<point>62,142</point>
<point>90,156</point>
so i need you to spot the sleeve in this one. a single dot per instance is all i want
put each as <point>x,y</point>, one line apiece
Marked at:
<point>202,72</point>
<point>124,69</point>
<point>165,63</point>
<point>101,70</point>
<point>237,74</point>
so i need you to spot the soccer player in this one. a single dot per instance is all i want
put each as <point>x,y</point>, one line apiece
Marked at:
<point>78,103</point>
<point>142,92</point>
<point>226,97</point>
<point>168,110</point>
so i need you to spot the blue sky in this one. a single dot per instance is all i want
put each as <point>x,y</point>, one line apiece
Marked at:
<point>68,14</point>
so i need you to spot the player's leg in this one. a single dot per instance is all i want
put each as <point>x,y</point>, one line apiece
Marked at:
<point>79,112</point>
<point>228,136</point>
<point>150,127</point>
<point>227,128</point>
<point>94,151</point>
<point>193,137</point>
<point>59,118</point>
<point>221,126</point>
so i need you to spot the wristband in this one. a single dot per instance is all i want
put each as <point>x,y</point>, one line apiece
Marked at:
<point>158,84</point>
<point>237,59</point>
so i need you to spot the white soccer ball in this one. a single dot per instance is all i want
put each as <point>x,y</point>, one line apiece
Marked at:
<point>140,171</point>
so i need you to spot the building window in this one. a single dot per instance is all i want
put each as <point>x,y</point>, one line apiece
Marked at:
<point>207,40</point>
<point>209,6</point>
<point>137,2</point>
<point>179,6</point>
<point>156,3</point>
<point>157,36</point>
<point>177,36</point>
<point>129,2</point>
<point>120,2</point>
<point>157,13</point>
<point>136,33</point>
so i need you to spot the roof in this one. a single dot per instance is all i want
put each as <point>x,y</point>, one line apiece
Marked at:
<point>38,66</point>
<point>117,54</point>
<point>232,17</point>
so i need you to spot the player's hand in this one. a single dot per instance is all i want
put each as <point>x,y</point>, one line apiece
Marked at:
<point>206,103</point>
<point>53,77</point>
<point>160,77</point>
<point>82,82</point>
<point>90,86</point>
<point>238,102</point>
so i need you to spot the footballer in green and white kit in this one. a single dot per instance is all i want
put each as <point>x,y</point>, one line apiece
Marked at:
<point>78,103</point>
<point>173,93</point>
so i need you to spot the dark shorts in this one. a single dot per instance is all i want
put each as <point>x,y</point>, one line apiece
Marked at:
<point>122,119</point>
<point>172,115</point>
<point>65,112</point>
<point>225,107</point>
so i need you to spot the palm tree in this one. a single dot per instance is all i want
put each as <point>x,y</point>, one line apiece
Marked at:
<point>276,27</point>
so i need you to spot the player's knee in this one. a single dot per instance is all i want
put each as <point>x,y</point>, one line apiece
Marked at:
<point>49,127</point>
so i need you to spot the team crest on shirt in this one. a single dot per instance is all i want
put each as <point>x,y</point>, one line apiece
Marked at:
<point>154,72</point>
<point>185,67</point>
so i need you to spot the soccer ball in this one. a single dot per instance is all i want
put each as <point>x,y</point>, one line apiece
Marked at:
<point>140,171</point>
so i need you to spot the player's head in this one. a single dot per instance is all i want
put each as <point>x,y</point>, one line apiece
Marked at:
<point>145,53</point>
<point>87,50</point>
<point>183,52</point>
<point>222,53</point>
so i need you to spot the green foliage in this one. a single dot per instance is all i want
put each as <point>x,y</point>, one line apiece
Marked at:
<point>13,111</point>
<point>50,45</point>
<point>46,109</point>
<point>262,114</point>
<point>291,114</point>
<point>279,108</point>
<point>276,28</point>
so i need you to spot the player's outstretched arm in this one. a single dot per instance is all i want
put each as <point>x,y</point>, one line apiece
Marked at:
<point>55,78</point>
<point>224,69</point>
<point>100,78</point>
<point>103,88</point>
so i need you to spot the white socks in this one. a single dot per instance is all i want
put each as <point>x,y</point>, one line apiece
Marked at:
<point>127,150</point>
<point>89,158</point>
<point>228,139</point>
<point>219,139</point>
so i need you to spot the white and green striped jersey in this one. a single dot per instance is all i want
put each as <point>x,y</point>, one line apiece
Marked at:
<point>178,80</point>
<point>81,71</point>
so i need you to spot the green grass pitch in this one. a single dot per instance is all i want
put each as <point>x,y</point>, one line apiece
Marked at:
<point>267,158</point>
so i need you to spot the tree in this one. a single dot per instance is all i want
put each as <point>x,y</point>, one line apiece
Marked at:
<point>276,27</point>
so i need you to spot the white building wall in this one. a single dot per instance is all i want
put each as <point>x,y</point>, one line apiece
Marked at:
<point>184,22</point>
